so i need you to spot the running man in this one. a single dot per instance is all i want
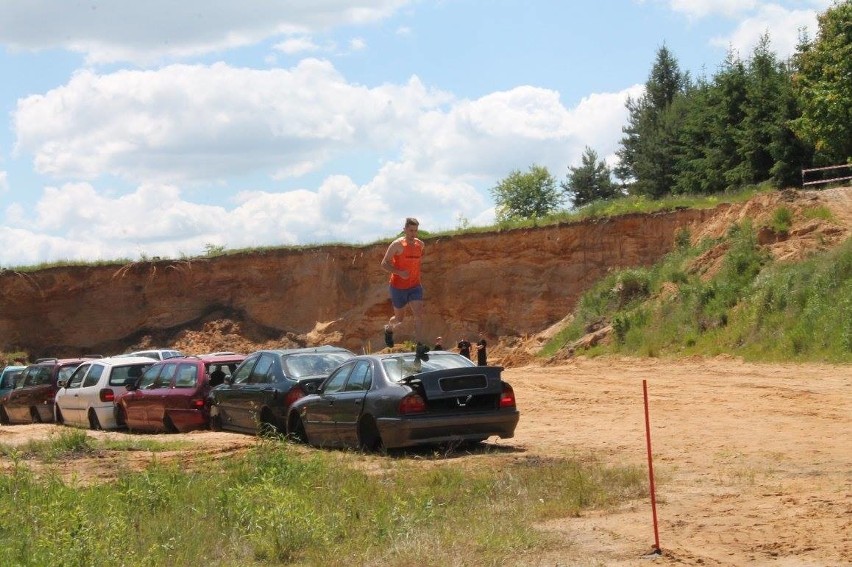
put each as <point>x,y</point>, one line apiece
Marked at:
<point>402,260</point>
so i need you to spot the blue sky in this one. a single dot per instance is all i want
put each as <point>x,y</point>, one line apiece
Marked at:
<point>161,128</point>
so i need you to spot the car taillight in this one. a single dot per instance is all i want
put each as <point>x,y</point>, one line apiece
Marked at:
<point>507,398</point>
<point>412,403</point>
<point>107,395</point>
<point>294,394</point>
<point>196,403</point>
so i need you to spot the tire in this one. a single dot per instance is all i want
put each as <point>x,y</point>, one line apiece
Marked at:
<point>169,425</point>
<point>35,416</point>
<point>94,422</point>
<point>216,422</point>
<point>121,417</point>
<point>59,418</point>
<point>296,429</point>
<point>4,417</point>
<point>266,425</point>
<point>369,439</point>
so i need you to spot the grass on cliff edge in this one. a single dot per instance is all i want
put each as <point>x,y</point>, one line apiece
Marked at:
<point>279,504</point>
<point>752,307</point>
<point>597,209</point>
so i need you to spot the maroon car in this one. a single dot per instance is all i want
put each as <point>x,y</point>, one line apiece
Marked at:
<point>170,396</point>
<point>32,399</point>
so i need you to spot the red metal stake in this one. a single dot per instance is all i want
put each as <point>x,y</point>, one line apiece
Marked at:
<point>656,549</point>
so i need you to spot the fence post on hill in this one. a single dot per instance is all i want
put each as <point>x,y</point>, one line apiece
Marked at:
<point>656,550</point>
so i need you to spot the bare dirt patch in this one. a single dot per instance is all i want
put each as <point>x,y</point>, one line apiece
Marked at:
<point>753,462</point>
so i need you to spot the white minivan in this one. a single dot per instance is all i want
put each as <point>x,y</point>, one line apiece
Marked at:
<point>87,397</point>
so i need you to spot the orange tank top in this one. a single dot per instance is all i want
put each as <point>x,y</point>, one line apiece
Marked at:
<point>408,260</point>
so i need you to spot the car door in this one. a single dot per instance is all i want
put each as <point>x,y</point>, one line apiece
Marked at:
<point>68,400</point>
<point>134,402</point>
<point>350,403</point>
<point>231,398</point>
<point>87,394</point>
<point>257,391</point>
<point>187,383</point>
<point>318,419</point>
<point>157,396</point>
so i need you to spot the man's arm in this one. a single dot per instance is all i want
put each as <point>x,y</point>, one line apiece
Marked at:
<point>387,264</point>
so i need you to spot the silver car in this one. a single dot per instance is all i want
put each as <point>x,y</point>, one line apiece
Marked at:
<point>87,397</point>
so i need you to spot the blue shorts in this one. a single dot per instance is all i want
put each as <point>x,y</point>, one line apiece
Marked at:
<point>401,297</point>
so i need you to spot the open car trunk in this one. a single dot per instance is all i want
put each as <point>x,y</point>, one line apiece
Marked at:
<point>456,390</point>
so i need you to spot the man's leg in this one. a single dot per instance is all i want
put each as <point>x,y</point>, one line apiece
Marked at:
<point>395,321</point>
<point>417,312</point>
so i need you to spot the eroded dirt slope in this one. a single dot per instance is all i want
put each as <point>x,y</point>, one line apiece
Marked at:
<point>511,284</point>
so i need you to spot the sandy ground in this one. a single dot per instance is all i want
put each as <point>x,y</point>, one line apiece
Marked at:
<point>753,463</point>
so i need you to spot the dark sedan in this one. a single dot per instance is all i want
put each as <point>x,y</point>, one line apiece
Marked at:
<point>260,391</point>
<point>394,400</point>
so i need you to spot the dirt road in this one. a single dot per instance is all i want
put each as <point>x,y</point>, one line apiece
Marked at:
<point>753,462</point>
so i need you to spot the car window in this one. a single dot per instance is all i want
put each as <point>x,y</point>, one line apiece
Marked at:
<point>167,375</point>
<point>24,378</point>
<point>40,376</point>
<point>244,371</point>
<point>76,378</point>
<point>399,367</point>
<point>262,371</point>
<point>361,377</point>
<point>313,364</point>
<point>93,376</point>
<point>335,381</point>
<point>150,376</point>
<point>64,373</point>
<point>122,375</point>
<point>186,376</point>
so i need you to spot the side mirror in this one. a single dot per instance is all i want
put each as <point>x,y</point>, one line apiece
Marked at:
<point>60,383</point>
<point>131,385</point>
<point>229,380</point>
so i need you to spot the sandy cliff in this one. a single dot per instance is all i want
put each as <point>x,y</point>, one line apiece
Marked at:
<point>509,283</point>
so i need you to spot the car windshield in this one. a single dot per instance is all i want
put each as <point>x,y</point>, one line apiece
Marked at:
<point>313,364</point>
<point>402,366</point>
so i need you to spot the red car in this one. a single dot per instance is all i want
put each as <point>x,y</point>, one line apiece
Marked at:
<point>170,396</point>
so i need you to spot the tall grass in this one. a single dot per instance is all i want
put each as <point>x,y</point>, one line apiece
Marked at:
<point>278,505</point>
<point>752,307</point>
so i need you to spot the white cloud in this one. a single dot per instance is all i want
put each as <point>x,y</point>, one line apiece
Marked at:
<point>195,122</point>
<point>696,9</point>
<point>782,24</point>
<point>4,182</point>
<point>293,45</point>
<point>146,32</point>
<point>450,154</point>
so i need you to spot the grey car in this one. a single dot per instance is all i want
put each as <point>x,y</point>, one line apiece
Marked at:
<point>397,400</point>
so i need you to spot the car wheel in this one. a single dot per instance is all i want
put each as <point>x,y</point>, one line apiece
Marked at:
<point>35,416</point>
<point>169,425</point>
<point>59,418</point>
<point>4,417</point>
<point>369,438</point>
<point>296,429</point>
<point>94,422</point>
<point>267,425</point>
<point>215,422</point>
<point>121,417</point>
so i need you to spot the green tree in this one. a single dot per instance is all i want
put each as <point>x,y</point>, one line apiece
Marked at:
<point>823,85</point>
<point>649,149</point>
<point>526,195</point>
<point>589,182</point>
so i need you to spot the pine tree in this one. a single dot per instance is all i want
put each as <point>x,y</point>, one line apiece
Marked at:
<point>591,181</point>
